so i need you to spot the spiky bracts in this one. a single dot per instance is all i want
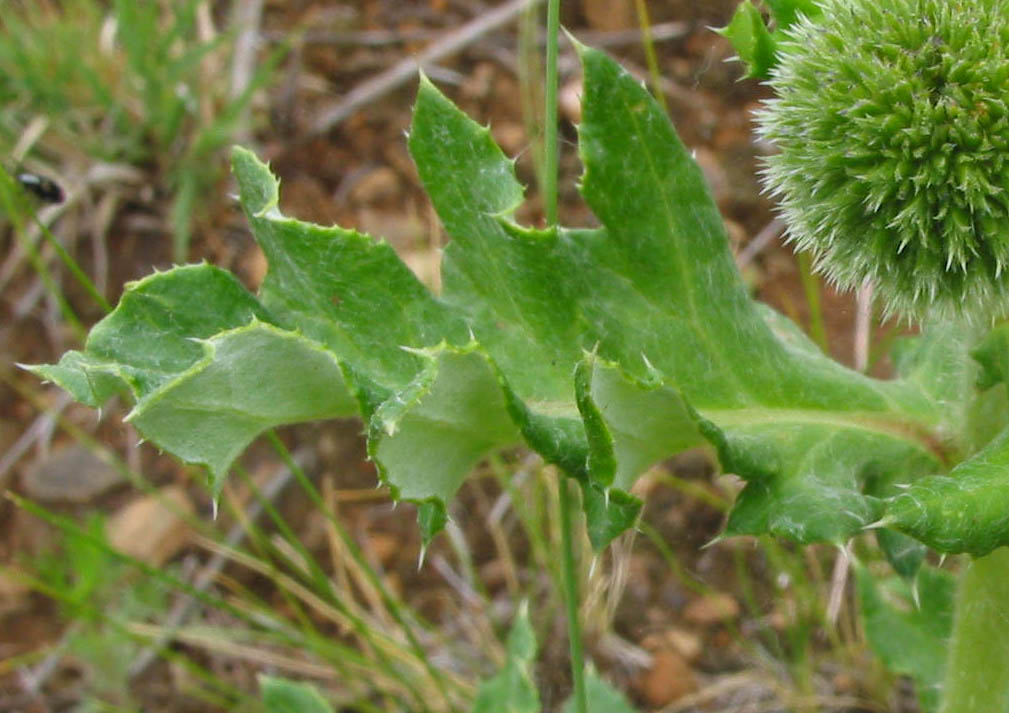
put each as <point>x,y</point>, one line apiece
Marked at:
<point>892,120</point>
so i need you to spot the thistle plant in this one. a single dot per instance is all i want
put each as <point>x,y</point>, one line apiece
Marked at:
<point>609,349</point>
<point>893,128</point>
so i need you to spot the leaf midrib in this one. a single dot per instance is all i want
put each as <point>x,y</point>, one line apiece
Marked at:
<point>918,434</point>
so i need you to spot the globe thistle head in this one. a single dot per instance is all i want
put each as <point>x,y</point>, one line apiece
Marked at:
<point>892,124</point>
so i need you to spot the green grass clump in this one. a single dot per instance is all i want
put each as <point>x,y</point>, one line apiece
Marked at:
<point>124,82</point>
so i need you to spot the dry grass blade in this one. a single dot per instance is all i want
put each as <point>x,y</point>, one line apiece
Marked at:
<point>184,606</point>
<point>406,69</point>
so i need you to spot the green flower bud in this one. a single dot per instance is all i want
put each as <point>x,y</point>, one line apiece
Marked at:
<point>892,120</point>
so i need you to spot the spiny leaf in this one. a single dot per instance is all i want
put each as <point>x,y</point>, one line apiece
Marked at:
<point>605,349</point>
<point>754,42</point>
<point>343,289</point>
<point>751,39</point>
<point>242,386</point>
<point>150,338</point>
<point>965,511</point>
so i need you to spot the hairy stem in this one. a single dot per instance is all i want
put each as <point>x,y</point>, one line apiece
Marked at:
<point>977,670</point>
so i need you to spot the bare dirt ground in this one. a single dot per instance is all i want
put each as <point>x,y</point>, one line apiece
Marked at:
<point>670,644</point>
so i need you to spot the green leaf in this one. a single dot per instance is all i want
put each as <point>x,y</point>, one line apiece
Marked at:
<point>786,12</point>
<point>243,386</point>
<point>605,350</point>
<point>345,290</point>
<point>992,353</point>
<point>965,511</point>
<point>152,336</point>
<point>283,696</point>
<point>512,689</point>
<point>909,632</point>
<point>755,44</point>
<point>751,39</point>
<point>428,437</point>
<point>601,696</point>
<point>905,554</point>
<point>666,300</point>
<point>607,513</point>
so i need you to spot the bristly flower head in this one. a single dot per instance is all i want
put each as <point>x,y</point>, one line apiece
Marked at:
<point>892,120</point>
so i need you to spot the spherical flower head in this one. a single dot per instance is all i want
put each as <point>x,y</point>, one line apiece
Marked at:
<point>892,124</point>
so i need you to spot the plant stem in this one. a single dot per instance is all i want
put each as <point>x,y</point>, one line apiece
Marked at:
<point>550,115</point>
<point>811,287</point>
<point>977,670</point>
<point>651,59</point>
<point>571,596</point>
<point>568,574</point>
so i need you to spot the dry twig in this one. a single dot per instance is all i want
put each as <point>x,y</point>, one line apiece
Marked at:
<point>406,69</point>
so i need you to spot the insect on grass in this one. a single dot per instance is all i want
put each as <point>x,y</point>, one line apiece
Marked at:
<point>45,189</point>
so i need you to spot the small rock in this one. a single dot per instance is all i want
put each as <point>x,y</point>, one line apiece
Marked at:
<point>686,643</point>
<point>669,679</point>
<point>510,136</point>
<point>383,547</point>
<point>569,101</point>
<point>380,183</point>
<point>712,609</point>
<point>425,264</point>
<point>152,528</point>
<point>13,593</point>
<point>73,473</point>
<point>398,229</point>
<point>609,15</point>
<point>479,82</point>
<point>714,174</point>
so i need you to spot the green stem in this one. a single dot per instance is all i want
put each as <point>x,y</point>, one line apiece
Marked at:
<point>977,670</point>
<point>651,58</point>
<point>82,279</point>
<point>811,286</point>
<point>571,596</point>
<point>568,574</point>
<point>550,115</point>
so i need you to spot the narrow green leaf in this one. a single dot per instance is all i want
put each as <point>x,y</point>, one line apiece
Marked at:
<point>283,696</point>
<point>602,697</point>
<point>512,689</point>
